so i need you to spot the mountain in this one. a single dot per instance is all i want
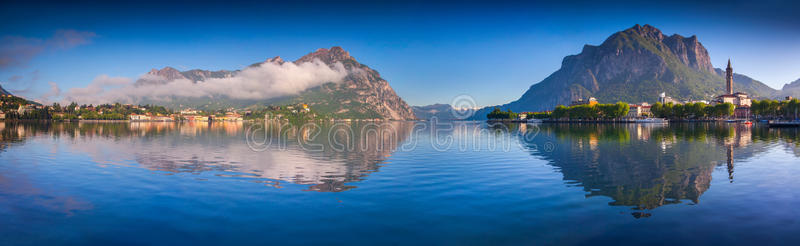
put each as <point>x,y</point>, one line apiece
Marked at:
<point>9,99</point>
<point>790,89</point>
<point>363,93</point>
<point>634,65</point>
<point>3,92</point>
<point>440,111</point>
<point>745,83</point>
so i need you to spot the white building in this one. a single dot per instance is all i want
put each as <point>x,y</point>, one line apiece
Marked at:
<point>639,110</point>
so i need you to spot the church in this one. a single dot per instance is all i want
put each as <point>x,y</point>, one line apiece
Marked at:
<point>739,99</point>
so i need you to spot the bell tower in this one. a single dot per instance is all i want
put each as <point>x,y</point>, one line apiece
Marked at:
<point>729,78</point>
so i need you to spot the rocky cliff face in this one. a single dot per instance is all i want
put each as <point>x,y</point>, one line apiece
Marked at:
<point>167,74</point>
<point>792,85</point>
<point>634,65</point>
<point>361,94</point>
<point>790,89</point>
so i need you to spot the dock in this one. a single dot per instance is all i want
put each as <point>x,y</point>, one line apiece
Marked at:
<point>784,123</point>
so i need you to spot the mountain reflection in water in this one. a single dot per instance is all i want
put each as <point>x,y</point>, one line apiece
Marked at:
<point>220,148</point>
<point>641,166</point>
<point>647,166</point>
<point>387,182</point>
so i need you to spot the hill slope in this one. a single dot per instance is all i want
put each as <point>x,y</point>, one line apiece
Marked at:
<point>361,94</point>
<point>633,65</point>
<point>440,111</point>
<point>790,89</point>
<point>3,92</point>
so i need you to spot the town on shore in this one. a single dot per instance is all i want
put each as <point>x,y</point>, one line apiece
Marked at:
<point>16,108</point>
<point>731,106</point>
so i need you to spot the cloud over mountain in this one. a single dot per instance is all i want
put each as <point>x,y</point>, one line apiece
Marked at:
<point>261,81</point>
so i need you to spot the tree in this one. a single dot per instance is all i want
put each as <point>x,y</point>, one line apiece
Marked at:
<point>723,110</point>
<point>792,108</point>
<point>695,110</point>
<point>560,112</point>
<point>657,110</point>
<point>499,114</point>
<point>56,107</point>
<point>71,107</point>
<point>622,109</point>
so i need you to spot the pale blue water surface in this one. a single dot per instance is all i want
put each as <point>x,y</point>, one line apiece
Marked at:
<point>402,183</point>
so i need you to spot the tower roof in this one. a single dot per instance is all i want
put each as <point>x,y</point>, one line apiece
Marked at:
<point>729,62</point>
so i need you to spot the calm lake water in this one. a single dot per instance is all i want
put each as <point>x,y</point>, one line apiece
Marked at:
<point>397,183</point>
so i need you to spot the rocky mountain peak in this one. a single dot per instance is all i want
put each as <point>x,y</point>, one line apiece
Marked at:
<point>328,56</point>
<point>361,94</point>
<point>276,59</point>
<point>169,73</point>
<point>646,31</point>
<point>792,85</point>
<point>690,52</point>
<point>632,65</point>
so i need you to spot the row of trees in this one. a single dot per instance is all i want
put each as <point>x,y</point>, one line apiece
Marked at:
<point>498,114</point>
<point>776,109</point>
<point>540,115</point>
<point>591,112</point>
<point>72,111</point>
<point>699,110</point>
<point>691,110</point>
<point>116,108</point>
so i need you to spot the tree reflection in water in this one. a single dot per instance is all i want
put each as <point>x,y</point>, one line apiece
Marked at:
<point>219,148</point>
<point>642,166</point>
<point>647,166</point>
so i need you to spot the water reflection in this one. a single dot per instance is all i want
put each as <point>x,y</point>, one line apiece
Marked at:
<point>647,166</point>
<point>219,148</point>
<point>641,166</point>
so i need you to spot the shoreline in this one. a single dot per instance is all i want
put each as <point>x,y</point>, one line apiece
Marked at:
<point>623,121</point>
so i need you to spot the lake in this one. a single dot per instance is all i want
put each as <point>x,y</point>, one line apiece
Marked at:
<point>367,183</point>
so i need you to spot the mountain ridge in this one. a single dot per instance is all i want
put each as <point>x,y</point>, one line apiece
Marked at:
<point>440,111</point>
<point>363,93</point>
<point>633,65</point>
<point>789,89</point>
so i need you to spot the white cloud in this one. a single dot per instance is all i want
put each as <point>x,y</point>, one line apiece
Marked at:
<point>269,80</point>
<point>54,92</point>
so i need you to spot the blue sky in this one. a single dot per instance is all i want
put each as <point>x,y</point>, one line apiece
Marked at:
<point>429,52</point>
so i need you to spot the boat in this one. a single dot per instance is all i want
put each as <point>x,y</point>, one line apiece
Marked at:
<point>652,120</point>
<point>747,122</point>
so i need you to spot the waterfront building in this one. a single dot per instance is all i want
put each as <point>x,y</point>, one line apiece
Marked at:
<point>22,109</point>
<point>639,110</point>
<point>590,101</point>
<point>698,101</point>
<point>161,118</point>
<point>139,117</point>
<point>739,99</point>
<point>188,111</point>
<point>664,99</point>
